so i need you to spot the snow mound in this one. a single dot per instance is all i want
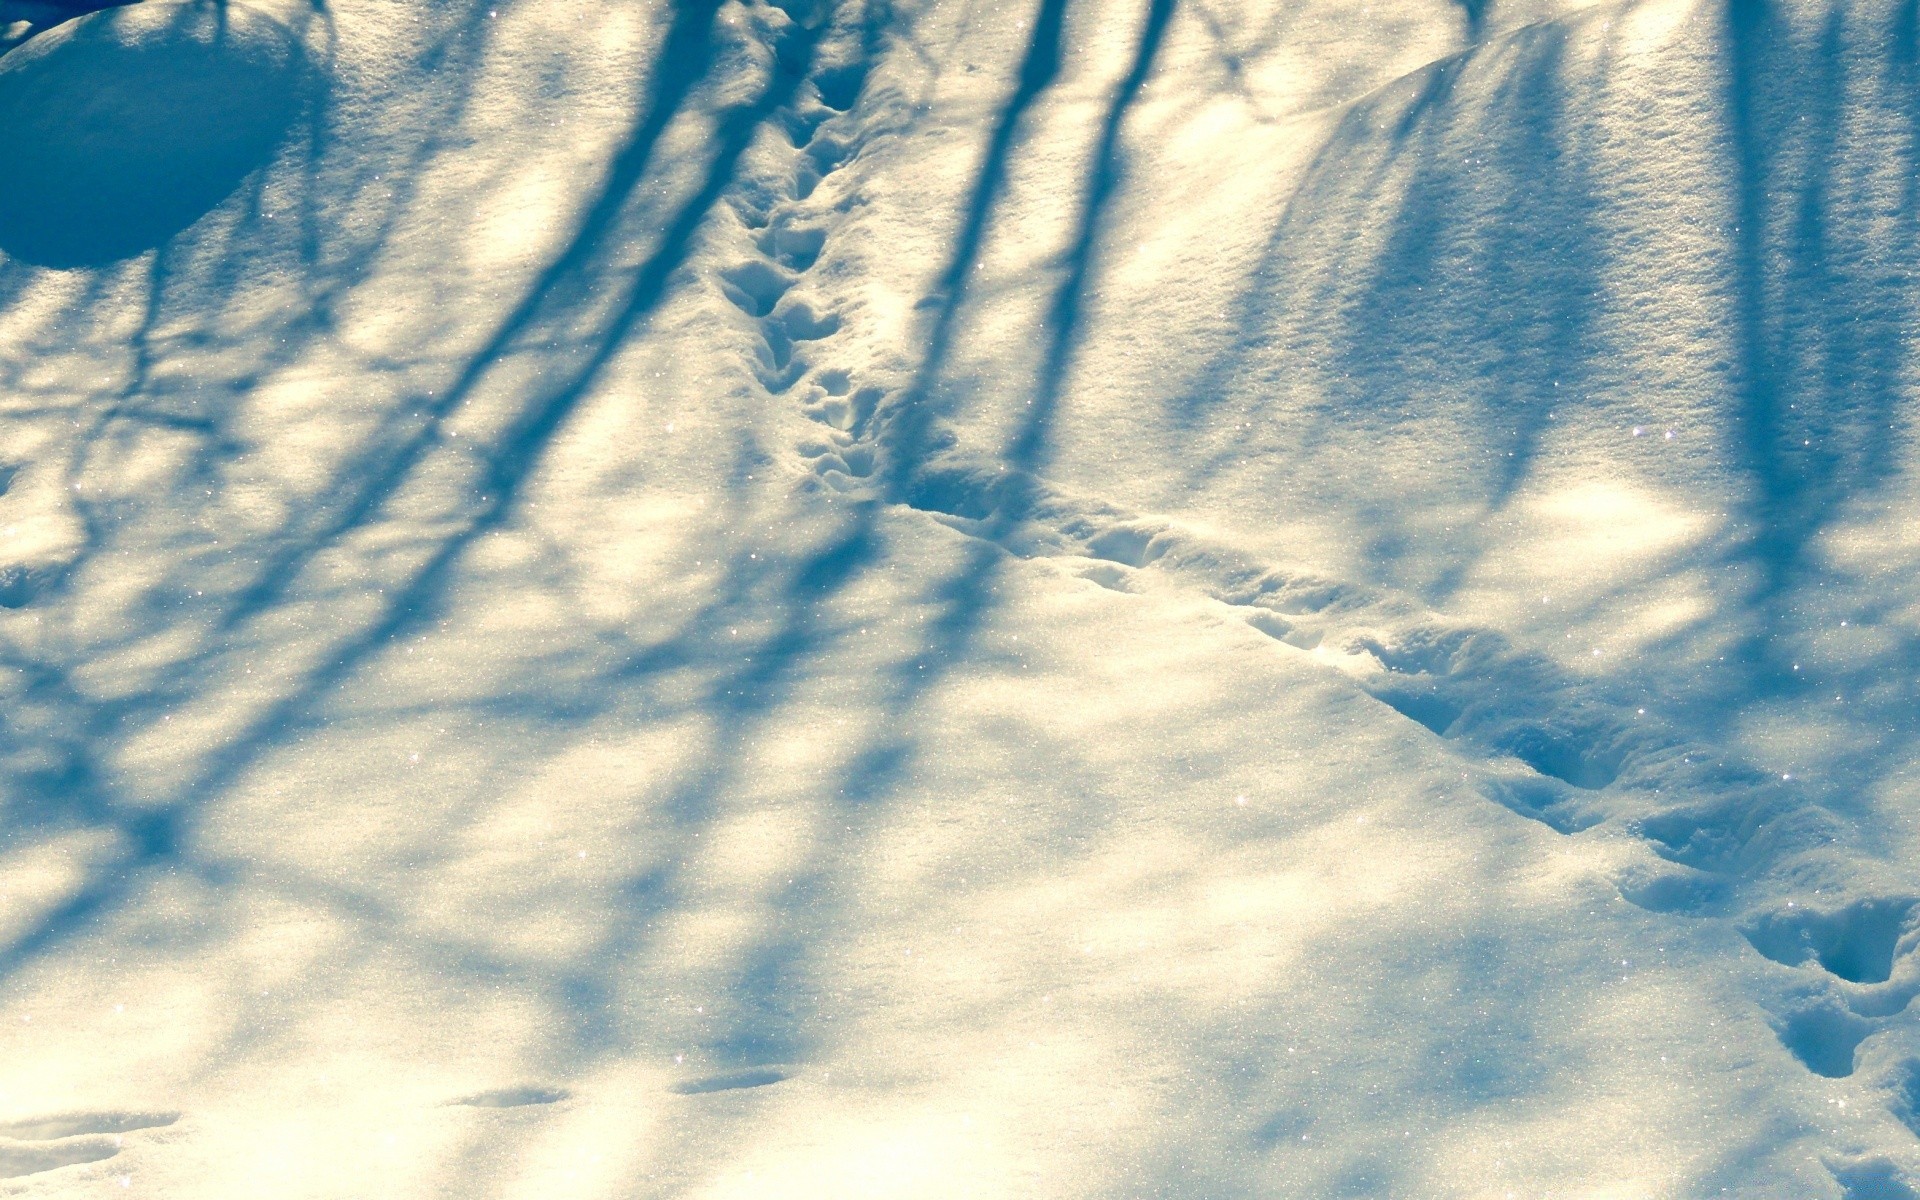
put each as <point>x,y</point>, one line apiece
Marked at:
<point>124,126</point>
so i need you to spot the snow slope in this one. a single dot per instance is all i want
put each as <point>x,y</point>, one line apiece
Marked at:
<point>947,598</point>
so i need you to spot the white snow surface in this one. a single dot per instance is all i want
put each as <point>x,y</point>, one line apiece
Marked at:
<point>922,598</point>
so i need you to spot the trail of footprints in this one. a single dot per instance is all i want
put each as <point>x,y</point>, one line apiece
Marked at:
<point>1730,843</point>
<point>536,1095</point>
<point>1551,746</point>
<point>37,1145</point>
<point>788,239</point>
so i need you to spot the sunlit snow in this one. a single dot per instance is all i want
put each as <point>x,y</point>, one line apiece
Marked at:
<point>934,598</point>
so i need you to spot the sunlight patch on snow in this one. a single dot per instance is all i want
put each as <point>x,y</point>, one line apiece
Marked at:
<point>522,220</point>
<point>1652,25</point>
<point>628,548</point>
<point>758,851</point>
<point>39,529</point>
<point>930,1150</point>
<point>549,785</point>
<point>589,1151</point>
<point>1599,558</point>
<point>1871,549</point>
<point>1604,527</point>
<point>38,877</point>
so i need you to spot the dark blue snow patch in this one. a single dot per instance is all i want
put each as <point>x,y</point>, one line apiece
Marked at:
<point>1872,1179</point>
<point>125,126</point>
<point>1823,1035</point>
<point>1857,943</point>
<point>19,585</point>
<point>55,11</point>
<point>731,1081</point>
<point>24,19</point>
<point>1906,1094</point>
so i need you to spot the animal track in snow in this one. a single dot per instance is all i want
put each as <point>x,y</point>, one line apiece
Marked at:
<point>1823,1035</point>
<point>788,242</point>
<point>1871,1179</point>
<point>840,411</point>
<point>800,323</point>
<point>1557,747</point>
<point>1280,629</point>
<point>46,1129</point>
<point>839,87</point>
<point>40,1144</point>
<point>1543,801</point>
<point>1458,683</point>
<point>1553,745</point>
<point>514,1097</point>
<point>730,1082</point>
<point>19,1160</point>
<point>1857,943</point>
<point>755,286</point>
<point>795,247</point>
<point>1109,575</point>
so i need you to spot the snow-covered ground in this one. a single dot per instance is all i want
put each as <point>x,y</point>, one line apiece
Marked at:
<point>1041,598</point>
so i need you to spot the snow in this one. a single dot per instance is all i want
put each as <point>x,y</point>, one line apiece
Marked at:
<point>958,599</point>
<point>99,168</point>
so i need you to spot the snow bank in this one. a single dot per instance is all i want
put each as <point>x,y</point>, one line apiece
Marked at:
<point>122,127</point>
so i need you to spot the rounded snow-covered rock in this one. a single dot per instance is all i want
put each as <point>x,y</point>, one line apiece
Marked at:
<point>120,128</point>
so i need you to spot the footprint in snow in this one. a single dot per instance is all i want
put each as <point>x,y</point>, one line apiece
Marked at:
<point>729,1082</point>
<point>513,1097</point>
<point>40,1144</point>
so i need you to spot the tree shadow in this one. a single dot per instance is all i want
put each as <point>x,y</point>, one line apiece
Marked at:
<point>586,306</point>
<point>1027,449</point>
<point>1440,263</point>
<point>327,594</point>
